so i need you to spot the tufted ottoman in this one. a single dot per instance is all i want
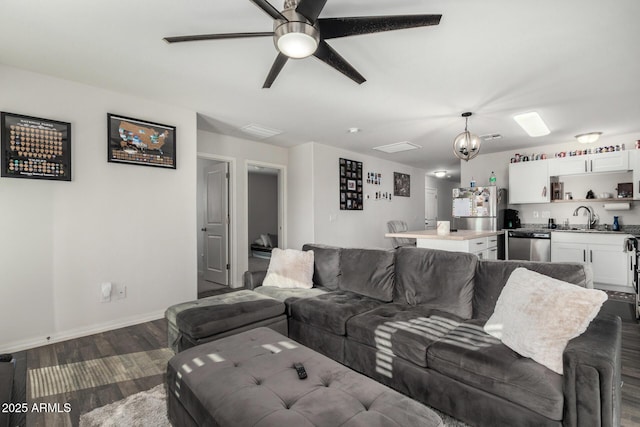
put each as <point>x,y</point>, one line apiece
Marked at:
<point>248,380</point>
<point>207,319</point>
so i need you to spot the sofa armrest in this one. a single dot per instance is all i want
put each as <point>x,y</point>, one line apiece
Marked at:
<point>253,279</point>
<point>592,375</point>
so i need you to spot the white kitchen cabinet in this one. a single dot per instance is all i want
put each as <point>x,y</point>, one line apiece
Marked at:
<point>574,165</point>
<point>482,247</point>
<point>529,182</point>
<point>604,252</point>
<point>615,161</point>
<point>490,254</point>
<point>634,164</point>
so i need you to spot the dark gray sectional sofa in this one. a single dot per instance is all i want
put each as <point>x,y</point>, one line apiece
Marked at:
<point>412,319</point>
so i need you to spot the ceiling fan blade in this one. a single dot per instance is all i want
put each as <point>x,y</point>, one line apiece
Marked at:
<point>310,9</point>
<point>332,28</point>
<point>329,56</point>
<point>179,39</point>
<point>272,11</point>
<point>281,59</point>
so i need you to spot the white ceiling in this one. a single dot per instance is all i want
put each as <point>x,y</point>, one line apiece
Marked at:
<point>576,62</point>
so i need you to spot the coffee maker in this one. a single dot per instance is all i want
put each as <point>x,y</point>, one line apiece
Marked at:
<point>511,219</point>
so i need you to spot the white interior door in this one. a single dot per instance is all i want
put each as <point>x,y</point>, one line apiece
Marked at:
<point>430,208</point>
<point>216,226</point>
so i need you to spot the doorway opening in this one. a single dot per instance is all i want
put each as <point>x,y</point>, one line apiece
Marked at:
<point>430,208</point>
<point>213,218</point>
<point>265,213</point>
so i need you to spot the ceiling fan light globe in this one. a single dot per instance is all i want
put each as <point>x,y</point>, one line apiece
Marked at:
<point>296,39</point>
<point>297,45</point>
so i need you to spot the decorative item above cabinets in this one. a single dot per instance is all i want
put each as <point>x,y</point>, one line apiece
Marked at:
<point>616,161</point>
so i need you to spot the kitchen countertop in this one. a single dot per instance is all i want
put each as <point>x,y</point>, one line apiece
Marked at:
<point>570,230</point>
<point>454,235</point>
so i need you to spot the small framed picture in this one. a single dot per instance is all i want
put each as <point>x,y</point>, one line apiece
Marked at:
<point>35,148</point>
<point>401,184</point>
<point>140,142</point>
<point>351,185</point>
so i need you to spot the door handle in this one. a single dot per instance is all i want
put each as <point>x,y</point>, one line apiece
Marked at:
<point>585,166</point>
<point>584,255</point>
<point>590,256</point>
<point>591,165</point>
<point>203,229</point>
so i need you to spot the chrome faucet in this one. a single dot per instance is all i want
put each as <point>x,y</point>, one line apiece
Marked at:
<point>591,222</point>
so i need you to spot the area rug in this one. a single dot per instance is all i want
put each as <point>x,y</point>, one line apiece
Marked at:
<point>621,296</point>
<point>149,408</point>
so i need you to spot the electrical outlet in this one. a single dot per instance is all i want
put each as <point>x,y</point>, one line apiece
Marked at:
<point>105,292</point>
<point>546,214</point>
<point>121,292</point>
<point>536,214</point>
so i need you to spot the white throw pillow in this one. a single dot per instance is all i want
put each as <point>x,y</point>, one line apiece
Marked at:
<point>290,268</point>
<point>537,315</point>
<point>266,241</point>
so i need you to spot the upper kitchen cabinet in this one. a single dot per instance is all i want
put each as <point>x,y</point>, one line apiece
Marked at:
<point>614,161</point>
<point>529,182</point>
<point>634,163</point>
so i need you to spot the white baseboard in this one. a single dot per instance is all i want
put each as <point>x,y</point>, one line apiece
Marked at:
<point>70,334</point>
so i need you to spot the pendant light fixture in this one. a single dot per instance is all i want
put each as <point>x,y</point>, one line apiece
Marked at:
<point>466,145</point>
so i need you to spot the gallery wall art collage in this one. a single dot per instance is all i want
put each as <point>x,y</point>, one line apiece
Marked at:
<point>352,180</point>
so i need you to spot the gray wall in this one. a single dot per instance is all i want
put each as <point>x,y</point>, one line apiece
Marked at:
<point>262,205</point>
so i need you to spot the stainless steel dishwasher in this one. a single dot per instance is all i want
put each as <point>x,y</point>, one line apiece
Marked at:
<point>529,245</point>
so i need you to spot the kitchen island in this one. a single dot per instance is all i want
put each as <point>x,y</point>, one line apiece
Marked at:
<point>482,243</point>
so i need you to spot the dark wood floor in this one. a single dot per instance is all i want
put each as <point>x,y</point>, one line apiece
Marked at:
<point>152,335</point>
<point>144,337</point>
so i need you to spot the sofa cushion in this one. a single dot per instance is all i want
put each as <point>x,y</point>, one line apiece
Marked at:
<point>491,276</point>
<point>368,272</point>
<point>441,280</point>
<point>470,356</point>
<point>289,295</point>
<point>204,321</point>
<point>326,268</point>
<point>331,311</point>
<point>537,315</point>
<point>404,330</point>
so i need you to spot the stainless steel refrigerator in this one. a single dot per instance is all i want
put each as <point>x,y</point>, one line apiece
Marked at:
<point>479,208</point>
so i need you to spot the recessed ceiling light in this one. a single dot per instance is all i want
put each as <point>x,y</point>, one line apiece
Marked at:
<point>588,138</point>
<point>353,130</point>
<point>397,147</point>
<point>259,131</point>
<point>532,123</point>
<point>440,174</point>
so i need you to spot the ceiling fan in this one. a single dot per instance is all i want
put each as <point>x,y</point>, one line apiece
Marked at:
<point>299,33</point>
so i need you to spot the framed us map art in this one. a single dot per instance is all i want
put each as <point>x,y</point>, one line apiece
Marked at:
<point>35,148</point>
<point>139,142</point>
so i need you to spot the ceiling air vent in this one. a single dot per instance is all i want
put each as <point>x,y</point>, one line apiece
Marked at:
<point>397,147</point>
<point>260,132</point>
<point>490,136</point>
